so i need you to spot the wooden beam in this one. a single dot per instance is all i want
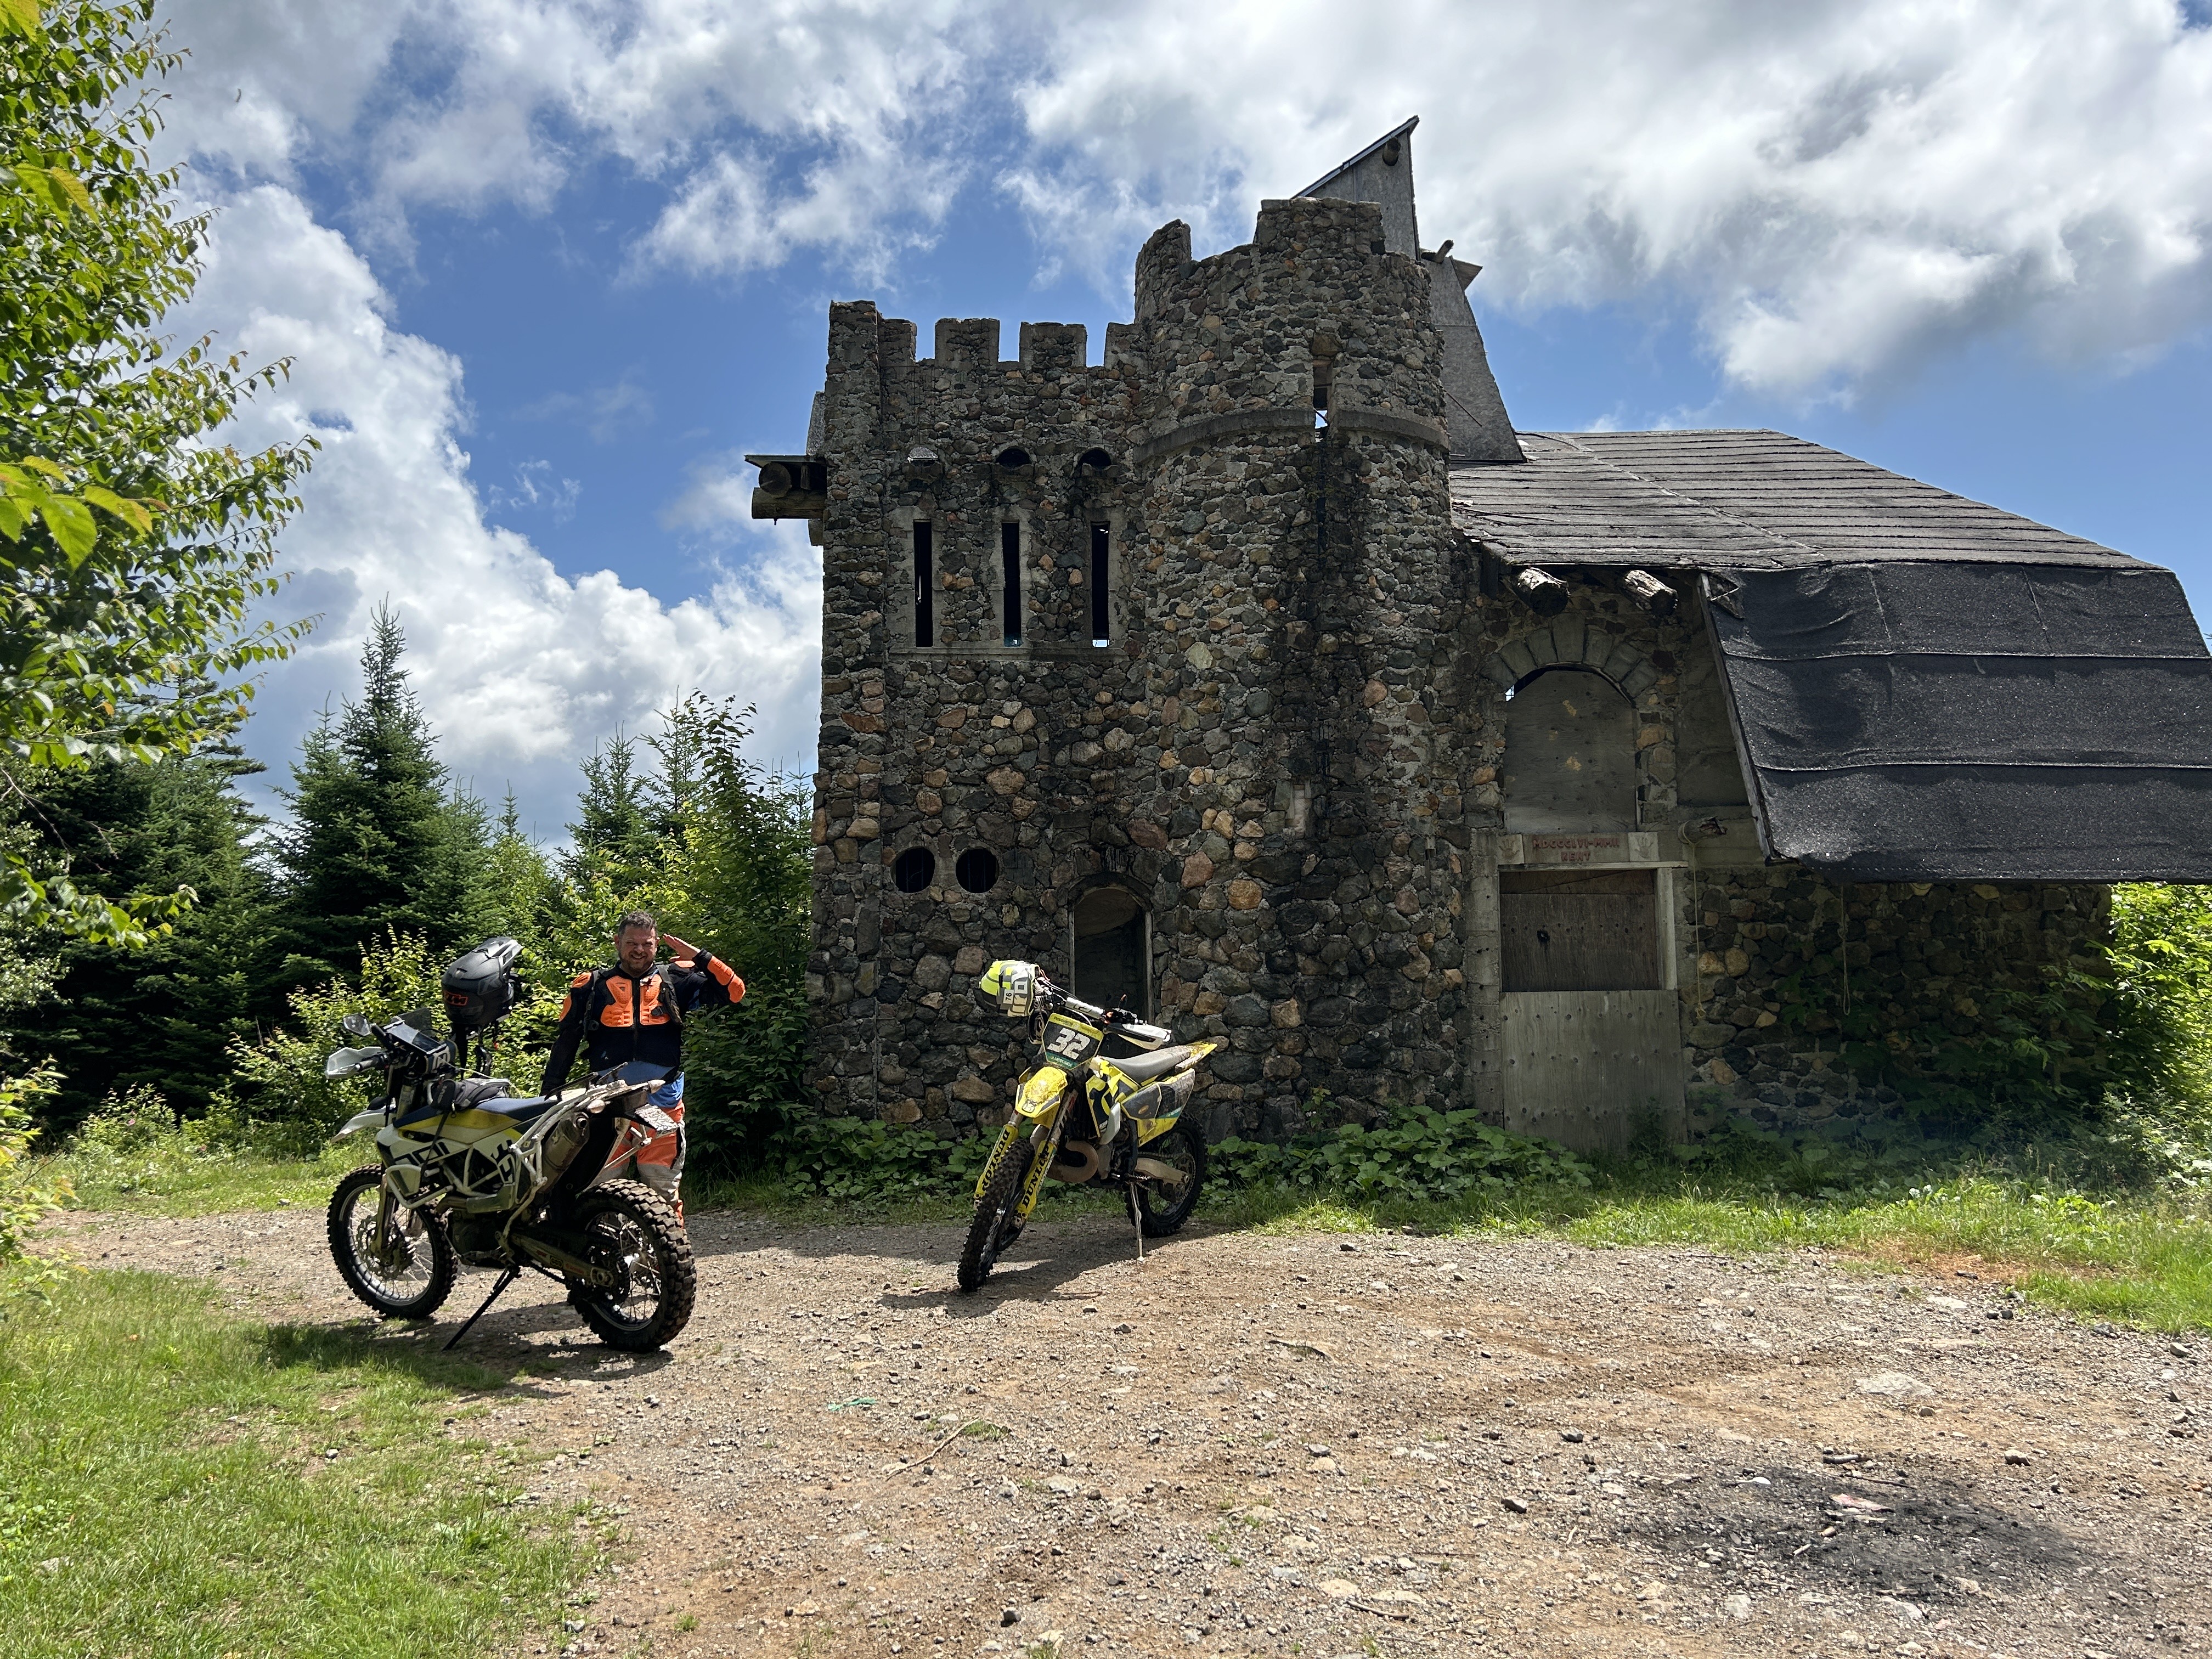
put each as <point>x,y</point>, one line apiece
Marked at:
<point>1650,592</point>
<point>1544,593</point>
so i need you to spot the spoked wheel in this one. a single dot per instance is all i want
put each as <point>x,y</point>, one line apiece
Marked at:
<point>410,1275</point>
<point>1162,1199</point>
<point>994,1226</point>
<point>629,1230</point>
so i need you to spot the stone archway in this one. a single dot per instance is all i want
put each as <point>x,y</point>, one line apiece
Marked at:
<point>1571,643</point>
<point>1110,947</point>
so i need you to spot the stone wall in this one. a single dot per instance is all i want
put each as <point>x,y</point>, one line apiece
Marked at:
<point>1265,754</point>
<point>1924,969</point>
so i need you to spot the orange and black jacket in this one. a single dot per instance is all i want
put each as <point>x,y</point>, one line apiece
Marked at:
<point>620,1016</point>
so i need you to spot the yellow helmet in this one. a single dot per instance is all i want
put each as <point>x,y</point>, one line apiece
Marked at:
<point>1011,985</point>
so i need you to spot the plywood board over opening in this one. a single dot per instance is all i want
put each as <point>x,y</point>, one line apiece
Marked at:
<point>1583,1067</point>
<point>1580,930</point>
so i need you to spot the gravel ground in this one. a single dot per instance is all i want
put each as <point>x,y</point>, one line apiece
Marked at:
<point>1311,1445</point>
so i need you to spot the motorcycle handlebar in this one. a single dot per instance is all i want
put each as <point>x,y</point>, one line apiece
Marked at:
<point>1058,997</point>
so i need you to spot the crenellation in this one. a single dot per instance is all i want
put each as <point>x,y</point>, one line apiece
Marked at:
<point>1288,764</point>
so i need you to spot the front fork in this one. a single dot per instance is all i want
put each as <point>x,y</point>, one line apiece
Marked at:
<point>1053,1125</point>
<point>381,1235</point>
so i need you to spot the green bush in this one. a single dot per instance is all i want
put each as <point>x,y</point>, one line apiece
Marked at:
<point>28,1192</point>
<point>137,1142</point>
<point>864,1160</point>
<point>1414,1154</point>
<point>2162,957</point>
<point>288,1105</point>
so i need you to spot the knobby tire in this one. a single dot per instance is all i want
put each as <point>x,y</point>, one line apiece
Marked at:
<point>370,1177</point>
<point>634,1202</point>
<point>1183,1144</point>
<point>993,1227</point>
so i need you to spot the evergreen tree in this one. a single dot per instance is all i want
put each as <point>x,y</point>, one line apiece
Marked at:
<point>615,840</point>
<point>163,1013</point>
<point>673,792</point>
<point>377,840</point>
<point>520,889</point>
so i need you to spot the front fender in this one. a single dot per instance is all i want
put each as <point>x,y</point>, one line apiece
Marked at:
<point>1040,1092</point>
<point>359,1120</point>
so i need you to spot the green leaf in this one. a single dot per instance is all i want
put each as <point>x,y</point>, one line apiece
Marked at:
<point>39,184</point>
<point>74,531</point>
<point>132,512</point>
<point>20,17</point>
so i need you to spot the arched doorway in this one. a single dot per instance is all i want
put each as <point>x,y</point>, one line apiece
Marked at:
<point>1112,948</point>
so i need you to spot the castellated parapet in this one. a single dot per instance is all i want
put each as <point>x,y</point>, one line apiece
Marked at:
<point>1242,807</point>
<point>1207,679</point>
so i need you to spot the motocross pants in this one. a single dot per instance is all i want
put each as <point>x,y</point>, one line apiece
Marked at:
<point>657,1159</point>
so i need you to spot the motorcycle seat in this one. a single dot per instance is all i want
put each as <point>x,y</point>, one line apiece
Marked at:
<point>1144,1068</point>
<point>527,1109</point>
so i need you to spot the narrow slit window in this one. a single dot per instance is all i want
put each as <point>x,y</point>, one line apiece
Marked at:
<point>1102,552</point>
<point>925,583</point>
<point>1010,566</point>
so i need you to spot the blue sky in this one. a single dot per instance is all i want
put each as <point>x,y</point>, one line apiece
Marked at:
<point>547,268</point>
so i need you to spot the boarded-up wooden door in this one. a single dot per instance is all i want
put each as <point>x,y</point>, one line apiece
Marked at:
<point>1580,930</point>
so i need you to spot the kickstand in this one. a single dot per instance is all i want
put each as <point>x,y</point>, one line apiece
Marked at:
<point>1137,1214</point>
<point>505,1279</point>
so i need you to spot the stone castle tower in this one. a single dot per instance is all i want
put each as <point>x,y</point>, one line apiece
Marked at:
<point>1213,676</point>
<point>1142,671</point>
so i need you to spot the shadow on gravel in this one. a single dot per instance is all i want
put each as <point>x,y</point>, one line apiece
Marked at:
<point>1930,1533</point>
<point>494,1355</point>
<point>1049,1255</point>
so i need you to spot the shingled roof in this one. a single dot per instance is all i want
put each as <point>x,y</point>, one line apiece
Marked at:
<point>1922,688</point>
<point>1731,500</point>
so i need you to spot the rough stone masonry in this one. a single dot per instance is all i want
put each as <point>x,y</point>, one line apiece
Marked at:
<point>1187,640</point>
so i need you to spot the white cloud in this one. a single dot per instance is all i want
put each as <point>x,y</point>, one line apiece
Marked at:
<point>522,670</point>
<point>1839,188</point>
<point>536,488</point>
<point>832,125</point>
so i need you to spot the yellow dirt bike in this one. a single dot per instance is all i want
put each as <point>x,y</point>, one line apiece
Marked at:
<point>1082,1116</point>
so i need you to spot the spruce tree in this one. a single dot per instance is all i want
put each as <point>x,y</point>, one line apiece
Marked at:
<point>520,889</point>
<point>614,836</point>
<point>378,839</point>
<point>160,1014</point>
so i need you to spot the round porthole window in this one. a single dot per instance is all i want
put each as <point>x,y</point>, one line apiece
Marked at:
<point>978,869</point>
<point>914,870</point>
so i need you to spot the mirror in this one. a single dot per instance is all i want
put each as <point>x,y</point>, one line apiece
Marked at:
<point>354,1025</point>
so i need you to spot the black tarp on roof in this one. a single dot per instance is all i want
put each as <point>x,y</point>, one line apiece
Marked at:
<point>1922,720</point>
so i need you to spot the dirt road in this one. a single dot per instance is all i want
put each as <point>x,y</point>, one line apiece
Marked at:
<point>1319,1446</point>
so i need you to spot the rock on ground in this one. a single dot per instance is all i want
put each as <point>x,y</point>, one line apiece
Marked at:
<point>1269,1445</point>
